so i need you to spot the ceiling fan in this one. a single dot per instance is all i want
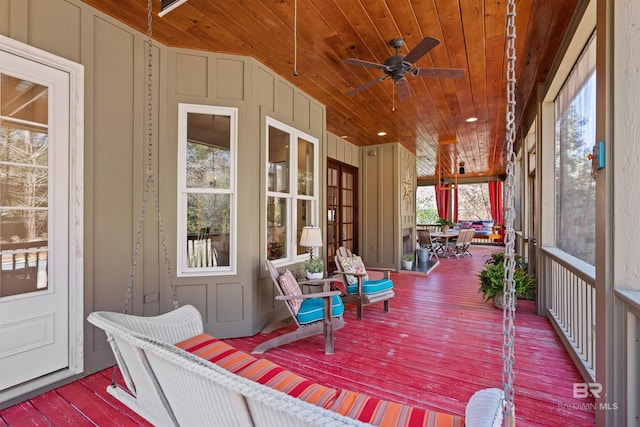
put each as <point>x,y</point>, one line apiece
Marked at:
<point>398,65</point>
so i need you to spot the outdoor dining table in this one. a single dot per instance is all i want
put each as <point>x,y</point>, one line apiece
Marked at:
<point>444,249</point>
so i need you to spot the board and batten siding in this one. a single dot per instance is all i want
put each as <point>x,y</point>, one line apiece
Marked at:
<point>114,56</point>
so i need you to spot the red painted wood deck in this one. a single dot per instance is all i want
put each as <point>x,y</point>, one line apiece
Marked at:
<point>437,346</point>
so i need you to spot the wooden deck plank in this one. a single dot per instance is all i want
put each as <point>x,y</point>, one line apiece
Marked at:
<point>98,384</point>
<point>59,411</point>
<point>23,414</point>
<point>94,407</point>
<point>438,345</point>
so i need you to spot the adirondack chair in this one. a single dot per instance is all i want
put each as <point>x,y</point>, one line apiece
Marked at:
<point>361,290</point>
<point>316,313</point>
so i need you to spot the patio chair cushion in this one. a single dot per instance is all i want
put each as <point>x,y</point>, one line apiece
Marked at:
<point>290,287</point>
<point>268,373</point>
<point>312,309</point>
<point>353,264</point>
<point>383,413</point>
<point>218,352</point>
<point>371,286</point>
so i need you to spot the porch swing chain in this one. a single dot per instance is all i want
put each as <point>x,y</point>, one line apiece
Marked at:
<point>150,184</point>
<point>508,329</point>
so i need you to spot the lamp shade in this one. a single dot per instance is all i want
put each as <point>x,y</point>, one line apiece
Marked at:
<point>311,237</point>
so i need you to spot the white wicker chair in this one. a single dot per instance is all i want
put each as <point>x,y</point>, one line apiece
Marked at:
<point>169,386</point>
<point>141,394</point>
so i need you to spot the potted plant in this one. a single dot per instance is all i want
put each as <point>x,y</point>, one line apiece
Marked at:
<point>444,224</point>
<point>314,267</point>
<point>408,261</point>
<point>492,280</point>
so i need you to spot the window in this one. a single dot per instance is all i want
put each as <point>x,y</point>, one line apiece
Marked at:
<point>207,139</point>
<point>292,189</point>
<point>473,203</point>
<point>575,136</point>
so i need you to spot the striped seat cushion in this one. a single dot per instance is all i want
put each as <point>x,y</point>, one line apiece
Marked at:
<point>218,352</point>
<point>268,373</point>
<point>382,413</point>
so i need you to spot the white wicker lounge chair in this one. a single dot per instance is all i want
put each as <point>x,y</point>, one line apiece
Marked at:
<point>141,394</point>
<point>191,391</point>
<point>169,386</point>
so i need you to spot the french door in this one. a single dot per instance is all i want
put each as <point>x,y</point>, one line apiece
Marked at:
<point>342,209</point>
<point>40,248</point>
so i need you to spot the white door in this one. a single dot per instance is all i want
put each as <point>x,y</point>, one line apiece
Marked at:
<point>34,219</point>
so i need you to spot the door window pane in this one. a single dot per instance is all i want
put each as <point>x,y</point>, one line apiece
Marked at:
<point>24,186</point>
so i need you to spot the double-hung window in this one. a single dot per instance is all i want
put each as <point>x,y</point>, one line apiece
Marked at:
<point>207,141</point>
<point>292,190</point>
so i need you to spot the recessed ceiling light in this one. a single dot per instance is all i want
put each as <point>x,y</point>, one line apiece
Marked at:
<point>472,119</point>
<point>382,133</point>
<point>343,136</point>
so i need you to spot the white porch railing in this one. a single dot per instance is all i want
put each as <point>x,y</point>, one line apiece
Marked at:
<point>570,298</point>
<point>627,319</point>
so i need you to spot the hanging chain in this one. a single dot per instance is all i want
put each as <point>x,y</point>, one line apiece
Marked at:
<point>295,38</point>
<point>508,328</point>
<point>149,184</point>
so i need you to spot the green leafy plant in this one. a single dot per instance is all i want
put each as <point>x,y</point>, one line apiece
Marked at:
<point>408,256</point>
<point>314,265</point>
<point>443,222</point>
<point>492,278</point>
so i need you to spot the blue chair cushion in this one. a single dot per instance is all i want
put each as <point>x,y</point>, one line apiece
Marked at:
<point>312,309</point>
<point>371,286</point>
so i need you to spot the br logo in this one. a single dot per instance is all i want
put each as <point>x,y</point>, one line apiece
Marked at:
<point>583,390</point>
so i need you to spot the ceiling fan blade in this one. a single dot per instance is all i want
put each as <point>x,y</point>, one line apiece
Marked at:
<point>366,85</point>
<point>403,89</point>
<point>421,49</point>
<point>354,61</point>
<point>451,73</point>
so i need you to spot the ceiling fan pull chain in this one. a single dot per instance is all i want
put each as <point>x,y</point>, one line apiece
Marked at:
<point>393,98</point>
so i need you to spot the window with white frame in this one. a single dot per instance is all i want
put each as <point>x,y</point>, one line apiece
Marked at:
<point>575,136</point>
<point>292,189</point>
<point>207,140</point>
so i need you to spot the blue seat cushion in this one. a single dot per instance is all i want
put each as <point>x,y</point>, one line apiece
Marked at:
<point>371,286</point>
<point>312,309</point>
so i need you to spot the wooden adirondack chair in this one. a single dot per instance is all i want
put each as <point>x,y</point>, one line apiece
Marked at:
<point>361,290</point>
<point>317,313</point>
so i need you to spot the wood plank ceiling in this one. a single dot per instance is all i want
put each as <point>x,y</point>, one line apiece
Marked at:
<point>432,123</point>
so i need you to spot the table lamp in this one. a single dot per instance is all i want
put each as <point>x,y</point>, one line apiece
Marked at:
<point>311,237</point>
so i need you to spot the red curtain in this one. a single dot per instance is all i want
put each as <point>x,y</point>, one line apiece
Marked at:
<point>455,204</point>
<point>495,200</point>
<point>442,200</point>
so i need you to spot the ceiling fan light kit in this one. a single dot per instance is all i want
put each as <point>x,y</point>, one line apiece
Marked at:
<point>167,6</point>
<point>396,66</point>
